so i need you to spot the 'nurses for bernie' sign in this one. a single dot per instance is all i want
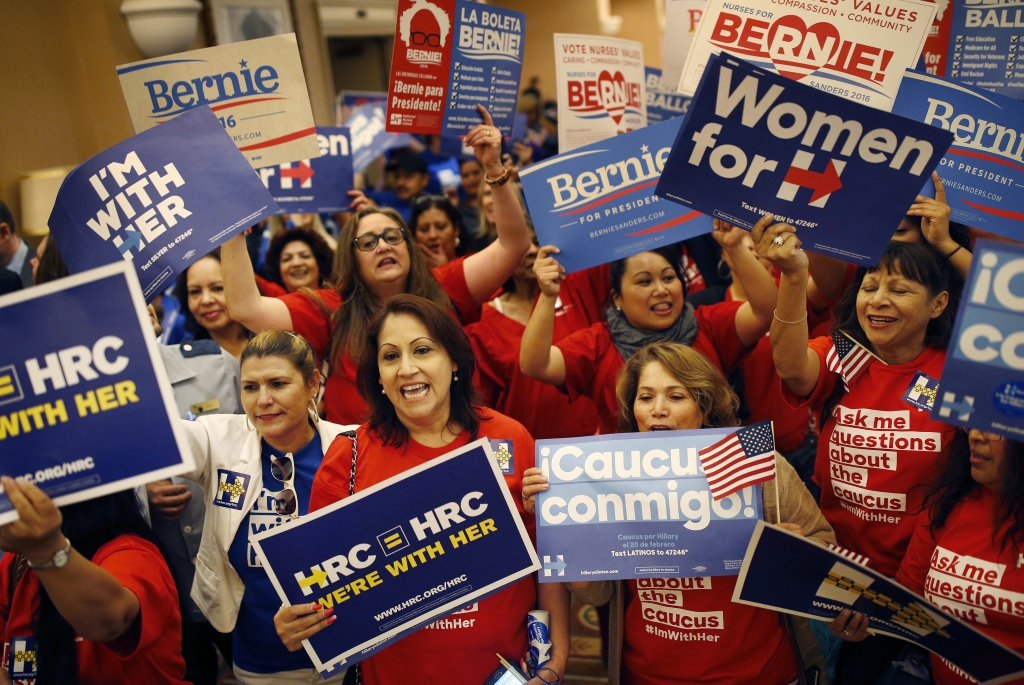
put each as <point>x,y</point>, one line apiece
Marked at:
<point>161,200</point>
<point>450,56</point>
<point>856,49</point>
<point>983,171</point>
<point>312,186</point>
<point>79,365</point>
<point>638,506</point>
<point>256,87</point>
<point>842,173</point>
<point>982,383</point>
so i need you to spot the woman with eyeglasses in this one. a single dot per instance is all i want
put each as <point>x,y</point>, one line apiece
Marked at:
<point>967,553</point>
<point>417,377</point>
<point>378,258</point>
<point>257,471</point>
<point>438,227</point>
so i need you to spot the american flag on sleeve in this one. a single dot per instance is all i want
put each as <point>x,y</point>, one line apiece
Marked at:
<point>847,554</point>
<point>740,459</point>
<point>847,357</point>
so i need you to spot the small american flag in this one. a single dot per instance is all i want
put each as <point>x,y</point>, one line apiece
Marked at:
<point>743,458</point>
<point>847,357</point>
<point>847,554</point>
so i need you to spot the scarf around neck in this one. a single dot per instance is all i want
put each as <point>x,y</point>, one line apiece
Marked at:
<point>628,339</point>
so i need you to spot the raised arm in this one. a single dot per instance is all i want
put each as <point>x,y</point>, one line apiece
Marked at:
<point>934,213</point>
<point>488,269</point>
<point>245,304</point>
<point>96,605</point>
<point>538,357</point>
<point>795,363</point>
<point>755,316</point>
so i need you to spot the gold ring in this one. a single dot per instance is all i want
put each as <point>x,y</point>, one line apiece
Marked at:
<point>488,134</point>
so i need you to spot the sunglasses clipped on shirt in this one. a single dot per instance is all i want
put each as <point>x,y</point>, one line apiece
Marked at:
<point>287,501</point>
<point>368,241</point>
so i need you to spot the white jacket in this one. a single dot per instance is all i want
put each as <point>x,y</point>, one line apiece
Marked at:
<point>230,471</point>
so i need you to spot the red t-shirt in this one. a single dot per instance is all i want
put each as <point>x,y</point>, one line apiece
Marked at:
<point>592,361</point>
<point>961,571</point>
<point>461,647</point>
<point>689,630</point>
<point>154,660</point>
<point>873,450</point>
<point>342,402</point>
<point>541,408</point>
<point>269,288</point>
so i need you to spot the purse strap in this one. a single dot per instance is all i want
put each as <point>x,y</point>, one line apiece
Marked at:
<point>351,435</point>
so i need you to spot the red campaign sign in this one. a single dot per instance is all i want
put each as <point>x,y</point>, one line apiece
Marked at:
<point>936,45</point>
<point>420,65</point>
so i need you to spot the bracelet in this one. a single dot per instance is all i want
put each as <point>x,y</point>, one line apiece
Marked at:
<point>498,181</point>
<point>958,248</point>
<point>776,314</point>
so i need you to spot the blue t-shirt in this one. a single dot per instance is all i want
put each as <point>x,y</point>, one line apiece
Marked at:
<point>387,198</point>
<point>256,645</point>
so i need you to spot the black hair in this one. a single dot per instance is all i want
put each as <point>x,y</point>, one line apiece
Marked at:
<point>51,265</point>
<point>442,203</point>
<point>671,253</point>
<point>955,484</point>
<point>6,217</point>
<point>88,525</point>
<point>322,252</point>
<point>195,329</point>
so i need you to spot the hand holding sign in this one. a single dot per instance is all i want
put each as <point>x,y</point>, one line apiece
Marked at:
<point>485,139</point>
<point>779,244</point>
<point>36,533</point>
<point>934,213</point>
<point>549,272</point>
<point>534,482</point>
<point>851,626</point>
<point>300,622</point>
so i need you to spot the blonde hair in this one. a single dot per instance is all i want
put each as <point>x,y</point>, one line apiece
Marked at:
<point>716,399</point>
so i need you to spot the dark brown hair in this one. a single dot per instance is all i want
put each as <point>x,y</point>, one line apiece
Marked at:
<point>350,322</point>
<point>286,344</point>
<point>448,334</point>
<point>717,400</point>
<point>322,252</point>
<point>51,265</point>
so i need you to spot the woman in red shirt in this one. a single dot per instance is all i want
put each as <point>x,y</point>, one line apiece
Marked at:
<point>974,514</point>
<point>416,377</point>
<point>648,306</point>
<point>711,640</point>
<point>297,258</point>
<point>377,258</point>
<point>871,381</point>
<point>85,594</point>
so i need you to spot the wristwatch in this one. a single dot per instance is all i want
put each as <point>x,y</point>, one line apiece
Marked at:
<point>59,559</point>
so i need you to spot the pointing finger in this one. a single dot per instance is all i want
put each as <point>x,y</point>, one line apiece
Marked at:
<point>485,115</point>
<point>940,190</point>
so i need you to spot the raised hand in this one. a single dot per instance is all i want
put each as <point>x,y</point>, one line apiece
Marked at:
<point>779,244</point>
<point>934,213</point>
<point>36,533</point>
<point>485,139</point>
<point>549,272</point>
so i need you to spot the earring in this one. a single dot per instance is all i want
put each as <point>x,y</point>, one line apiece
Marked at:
<point>248,424</point>
<point>618,308</point>
<point>316,414</point>
<point>455,376</point>
<point>383,391</point>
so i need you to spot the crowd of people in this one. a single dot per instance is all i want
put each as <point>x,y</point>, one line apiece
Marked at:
<point>323,362</point>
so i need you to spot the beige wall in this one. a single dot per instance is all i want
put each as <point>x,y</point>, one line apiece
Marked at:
<point>640,23</point>
<point>62,102</point>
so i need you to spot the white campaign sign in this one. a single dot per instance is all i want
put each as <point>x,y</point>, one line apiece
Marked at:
<point>601,90</point>
<point>682,17</point>
<point>856,49</point>
<point>255,87</point>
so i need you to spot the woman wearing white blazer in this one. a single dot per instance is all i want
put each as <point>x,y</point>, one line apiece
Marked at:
<point>257,472</point>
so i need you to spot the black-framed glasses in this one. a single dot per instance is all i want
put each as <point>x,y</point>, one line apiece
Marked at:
<point>368,241</point>
<point>283,469</point>
<point>421,38</point>
<point>425,199</point>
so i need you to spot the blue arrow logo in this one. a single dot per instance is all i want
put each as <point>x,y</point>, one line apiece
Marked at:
<point>557,565</point>
<point>131,239</point>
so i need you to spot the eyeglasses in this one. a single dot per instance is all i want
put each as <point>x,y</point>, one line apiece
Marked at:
<point>283,469</point>
<point>368,241</point>
<point>421,38</point>
<point>991,437</point>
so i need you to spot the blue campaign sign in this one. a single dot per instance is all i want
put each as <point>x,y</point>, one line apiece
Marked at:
<point>401,554</point>
<point>984,39</point>
<point>842,173</point>
<point>984,168</point>
<point>312,186</point>
<point>161,200</point>
<point>598,202</point>
<point>486,65</point>
<point>80,365</point>
<point>662,104</point>
<point>368,137</point>
<point>791,574</point>
<point>638,506</point>
<point>982,384</point>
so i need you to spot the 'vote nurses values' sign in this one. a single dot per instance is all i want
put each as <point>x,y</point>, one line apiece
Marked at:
<point>856,49</point>
<point>841,173</point>
<point>982,384</point>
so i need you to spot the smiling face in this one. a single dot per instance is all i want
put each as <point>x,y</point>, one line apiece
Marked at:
<point>276,398</point>
<point>384,264</point>
<point>988,459</point>
<point>206,295</point>
<point>435,231</point>
<point>663,403</point>
<point>415,371</point>
<point>298,266</point>
<point>651,295</point>
<point>894,312</point>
